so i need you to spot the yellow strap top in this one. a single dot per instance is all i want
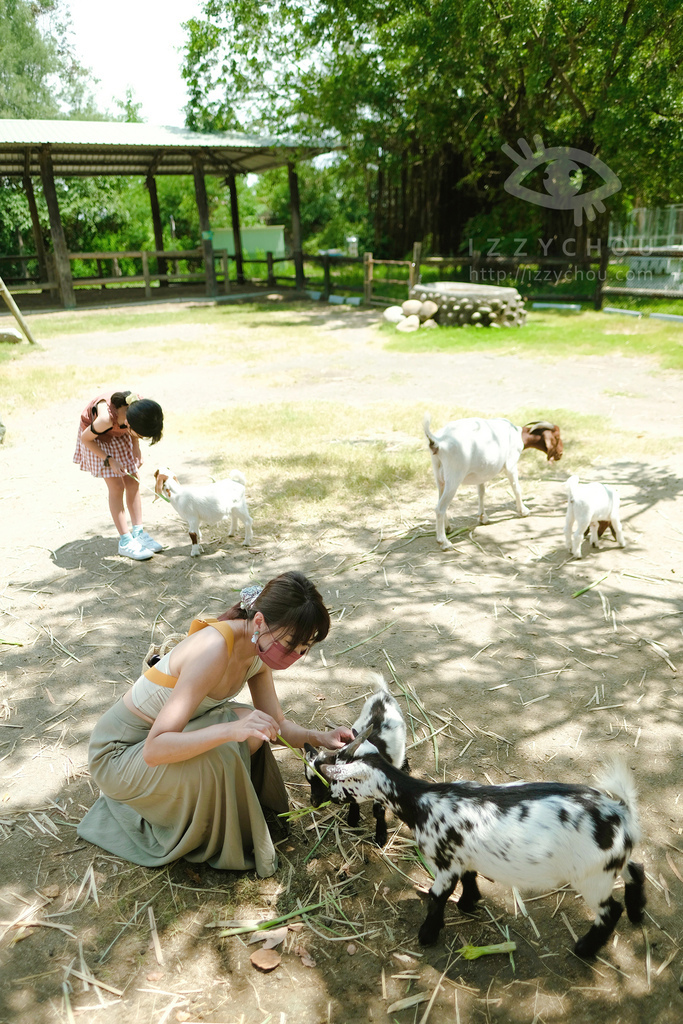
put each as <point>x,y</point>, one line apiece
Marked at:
<point>224,628</point>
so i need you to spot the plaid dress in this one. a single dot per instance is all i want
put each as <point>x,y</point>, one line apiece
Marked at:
<point>116,441</point>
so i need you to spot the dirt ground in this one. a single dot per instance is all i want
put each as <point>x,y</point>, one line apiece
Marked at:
<point>503,672</point>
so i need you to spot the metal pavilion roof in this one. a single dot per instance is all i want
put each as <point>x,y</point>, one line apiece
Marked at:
<point>92,148</point>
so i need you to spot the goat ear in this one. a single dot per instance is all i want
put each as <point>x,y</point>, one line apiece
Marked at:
<point>311,751</point>
<point>553,444</point>
<point>337,772</point>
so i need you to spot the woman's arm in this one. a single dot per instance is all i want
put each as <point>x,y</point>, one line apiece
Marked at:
<point>265,699</point>
<point>203,668</point>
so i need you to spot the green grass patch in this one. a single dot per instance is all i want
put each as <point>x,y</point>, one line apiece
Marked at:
<point>325,455</point>
<point>249,316</point>
<point>25,385</point>
<point>553,335</point>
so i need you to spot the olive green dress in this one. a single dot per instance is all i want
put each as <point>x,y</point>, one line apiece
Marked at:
<point>207,808</point>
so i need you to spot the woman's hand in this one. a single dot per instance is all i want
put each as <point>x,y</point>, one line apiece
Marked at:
<point>255,725</point>
<point>336,738</point>
<point>116,466</point>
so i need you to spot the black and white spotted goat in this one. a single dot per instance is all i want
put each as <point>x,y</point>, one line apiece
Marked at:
<point>384,731</point>
<point>538,835</point>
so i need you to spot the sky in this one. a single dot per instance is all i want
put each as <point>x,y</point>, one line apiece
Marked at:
<point>135,43</point>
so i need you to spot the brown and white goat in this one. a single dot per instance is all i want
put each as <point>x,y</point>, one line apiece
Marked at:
<point>473,451</point>
<point>207,503</point>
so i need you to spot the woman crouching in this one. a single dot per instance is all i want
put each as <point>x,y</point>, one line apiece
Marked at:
<point>183,769</point>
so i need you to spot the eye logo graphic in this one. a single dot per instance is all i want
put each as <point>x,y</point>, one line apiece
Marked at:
<point>562,179</point>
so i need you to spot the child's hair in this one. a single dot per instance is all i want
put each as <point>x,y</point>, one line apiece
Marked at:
<point>291,603</point>
<point>145,416</point>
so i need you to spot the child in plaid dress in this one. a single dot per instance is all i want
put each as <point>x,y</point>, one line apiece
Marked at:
<point>108,446</point>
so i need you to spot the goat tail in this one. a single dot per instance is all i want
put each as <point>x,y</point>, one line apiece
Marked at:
<point>571,485</point>
<point>433,441</point>
<point>238,477</point>
<point>617,779</point>
<point>380,682</point>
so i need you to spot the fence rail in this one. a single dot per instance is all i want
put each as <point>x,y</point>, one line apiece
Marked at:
<point>626,273</point>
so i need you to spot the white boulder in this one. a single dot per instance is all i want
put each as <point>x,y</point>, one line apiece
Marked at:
<point>393,314</point>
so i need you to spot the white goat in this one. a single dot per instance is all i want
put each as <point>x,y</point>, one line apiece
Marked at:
<point>473,451</point>
<point>593,507</point>
<point>381,720</point>
<point>207,503</point>
<point>539,835</point>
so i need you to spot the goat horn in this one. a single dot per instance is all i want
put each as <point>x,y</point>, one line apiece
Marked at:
<point>540,425</point>
<point>351,748</point>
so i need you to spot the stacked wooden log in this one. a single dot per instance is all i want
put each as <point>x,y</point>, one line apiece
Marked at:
<point>453,304</point>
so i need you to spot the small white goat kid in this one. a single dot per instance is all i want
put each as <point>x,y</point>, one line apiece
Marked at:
<point>593,507</point>
<point>473,451</point>
<point>381,721</point>
<point>207,503</point>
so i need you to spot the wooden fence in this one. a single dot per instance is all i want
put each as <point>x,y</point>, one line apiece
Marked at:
<point>156,269</point>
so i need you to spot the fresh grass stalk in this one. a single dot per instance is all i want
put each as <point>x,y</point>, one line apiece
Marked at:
<point>302,758</point>
<point>474,952</point>
<point>263,926</point>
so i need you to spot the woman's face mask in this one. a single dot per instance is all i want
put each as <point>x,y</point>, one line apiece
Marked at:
<point>277,656</point>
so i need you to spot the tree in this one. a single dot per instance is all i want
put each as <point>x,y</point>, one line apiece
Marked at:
<point>424,93</point>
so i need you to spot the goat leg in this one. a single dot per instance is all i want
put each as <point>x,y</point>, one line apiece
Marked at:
<point>444,884</point>
<point>470,892</point>
<point>353,816</point>
<point>514,483</point>
<point>381,826</point>
<point>481,490</point>
<point>597,935</point>
<point>634,891</point>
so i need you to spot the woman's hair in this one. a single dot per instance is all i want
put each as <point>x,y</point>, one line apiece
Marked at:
<point>291,603</point>
<point>145,416</point>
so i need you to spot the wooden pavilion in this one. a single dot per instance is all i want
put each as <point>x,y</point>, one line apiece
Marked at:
<point>63,149</point>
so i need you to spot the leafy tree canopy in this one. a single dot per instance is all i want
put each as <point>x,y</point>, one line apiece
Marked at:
<point>402,82</point>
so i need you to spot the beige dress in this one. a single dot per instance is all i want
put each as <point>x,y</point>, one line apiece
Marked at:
<point>207,808</point>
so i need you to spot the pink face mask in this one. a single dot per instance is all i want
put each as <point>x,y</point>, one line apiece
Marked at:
<point>277,656</point>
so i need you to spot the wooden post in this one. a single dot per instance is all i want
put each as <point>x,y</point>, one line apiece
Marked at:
<point>602,277</point>
<point>295,208</point>
<point>145,274</point>
<point>327,283</point>
<point>414,277</point>
<point>101,270</point>
<point>367,277</point>
<point>225,262</point>
<point>204,224</point>
<point>38,240</point>
<point>16,311</point>
<point>61,253</point>
<point>271,272</point>
<point>162,267</point>
<point>236,233</point>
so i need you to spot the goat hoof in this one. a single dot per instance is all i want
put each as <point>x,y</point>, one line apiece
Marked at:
<point>467,906</point>
<point>524,511</point>
<point>585,949</point>
<point>445,545</point>
<point>426,937</point>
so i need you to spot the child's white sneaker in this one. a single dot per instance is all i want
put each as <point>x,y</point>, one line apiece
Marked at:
<point>149,542</point>
<point>130,547</point>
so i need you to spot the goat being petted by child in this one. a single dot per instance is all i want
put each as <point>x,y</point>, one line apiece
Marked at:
<point>108,447</point>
